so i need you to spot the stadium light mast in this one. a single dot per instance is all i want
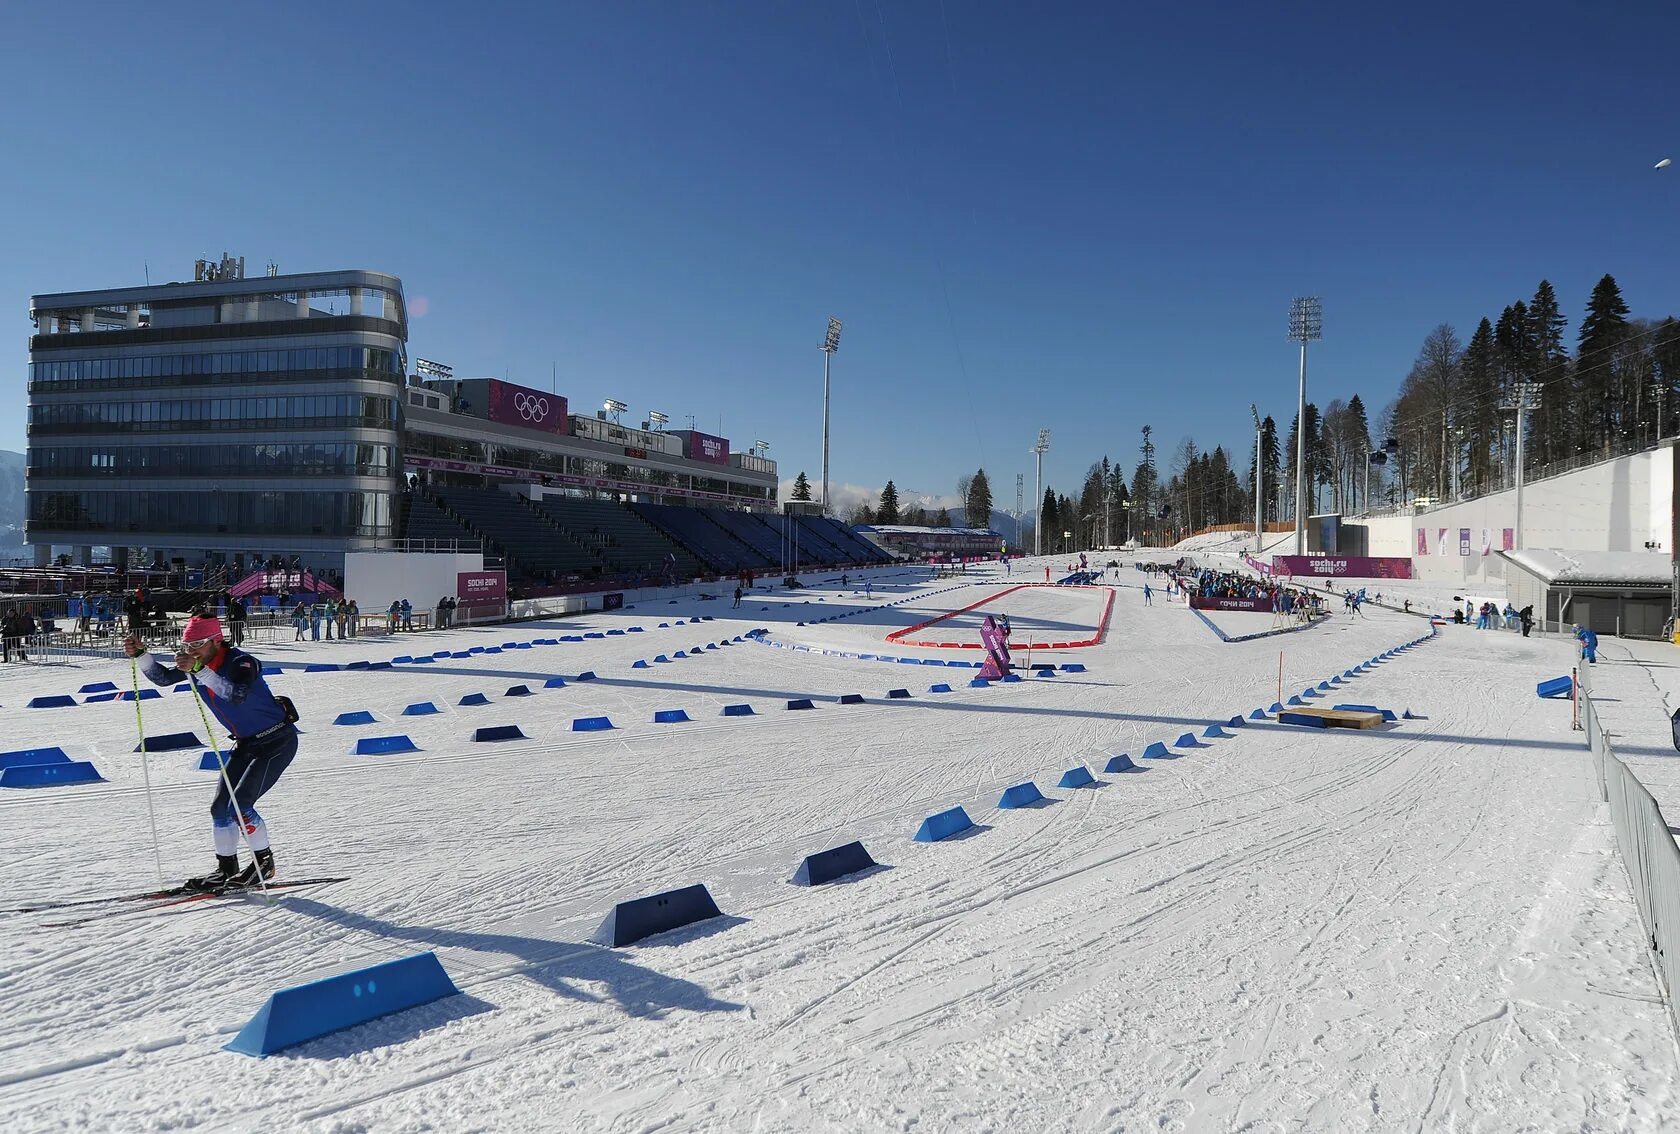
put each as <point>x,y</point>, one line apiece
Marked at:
<point>1306,324</point>
<point>830,345</point>
<point>1020,479</point>
<point>1039,450</point>
<point>1259,437</point>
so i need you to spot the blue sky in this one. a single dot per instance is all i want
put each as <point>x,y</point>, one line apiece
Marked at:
<point>1080,217</point>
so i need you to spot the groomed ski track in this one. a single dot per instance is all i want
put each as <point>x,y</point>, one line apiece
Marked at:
<point>1415,929</point>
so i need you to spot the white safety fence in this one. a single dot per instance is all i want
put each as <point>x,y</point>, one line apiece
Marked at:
<point>1646,845</point>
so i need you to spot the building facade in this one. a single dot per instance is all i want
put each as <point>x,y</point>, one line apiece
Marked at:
<point>221,419</point>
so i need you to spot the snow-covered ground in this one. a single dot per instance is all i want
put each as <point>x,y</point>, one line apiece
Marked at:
<point>1420,928</point>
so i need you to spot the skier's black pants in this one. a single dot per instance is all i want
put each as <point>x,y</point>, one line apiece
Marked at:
<point>253,767</point>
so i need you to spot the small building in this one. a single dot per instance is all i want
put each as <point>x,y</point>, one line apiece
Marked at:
<point>907,542</point>
<point>1624,593</point>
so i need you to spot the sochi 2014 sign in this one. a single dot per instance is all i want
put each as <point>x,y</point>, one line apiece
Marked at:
<point>477,587</point>
<point>1343,566</point>
<point>527,408</point>
<point>705,447</point>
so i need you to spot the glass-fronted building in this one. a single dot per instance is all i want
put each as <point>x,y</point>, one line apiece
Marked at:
<point>219,420</point>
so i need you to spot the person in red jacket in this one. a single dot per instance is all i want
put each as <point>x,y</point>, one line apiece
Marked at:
<point>265,741</point>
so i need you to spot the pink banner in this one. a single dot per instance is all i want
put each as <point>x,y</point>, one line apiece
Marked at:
<point>705,447</point>
<point>474,587</point>
<point>527,408</point>
<point>1198,602</point>
<point>1344,566</point>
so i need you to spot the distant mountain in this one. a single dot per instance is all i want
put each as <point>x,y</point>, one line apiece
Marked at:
<point>11,499</point>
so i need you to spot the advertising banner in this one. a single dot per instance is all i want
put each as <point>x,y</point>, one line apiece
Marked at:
<point>1344,566</point>
<point>705,447</point>
<point>527,408</point>
<point>614,601</point>
<point>1263,605</point>
<point>474,588</point>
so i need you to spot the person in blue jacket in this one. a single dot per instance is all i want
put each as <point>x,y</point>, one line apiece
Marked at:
<point>1589,644</point>
<point>265,741</point>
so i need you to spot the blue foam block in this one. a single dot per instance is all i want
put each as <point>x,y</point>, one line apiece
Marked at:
<point>1119,762</point>
<point>55,701</point>
<point>308,1011</point>
<point>555,683</point>
<point>1073,667</point>
<point>851,698</point>
<point>461,654</point>
<point>374,745</point>
<point>1275,708</point>
<point>640,918</point>
<point>1308,719</point>
<point>670,716</point>
<point>379,665</point>
<point>1213,732</point>
<point>143,695</point>
<point>1333,681</point>
<point>92,698</point>
<point>1556,687</point>
<point>474,699</point>
<point>1156,751</point>
<point>357,665</point>
<point>979,683</point>
<point>898,694</point>
<point>1309,693</point>
<point>801,703</point>
<point>837,862</point>
<point>1257,715</point>
<point>320,667</point>
<point>1011,677</point>
<point>637,630</point>
<point>425,661</point>
<point>943,825</point>
<point>1020,795</point>
<point>50,775</point>
<point>208,762</point>
<point>487,649</point>
<point>400,658</point>
<point>171,742</point>
<point>591,724</point>
<point>420,709</point>
<point>680,654</point>
<point>1186,740</point>
<point>1292,701</point>
<point>1077,776</point>
<point>1236,722</point>
<point>498,732</point>
<point>359,717</point>
<point>941,687</point>
<point>738,711</point>
<point>1323,685</point>
<point>97,687</point>
<point>612,632</point>
<point>639,664</point>
<point>23,757</point>
<point>518,691</point>
<point>586,675</point>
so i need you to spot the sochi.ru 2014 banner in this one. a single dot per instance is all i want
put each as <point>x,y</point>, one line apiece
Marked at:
<point>705,447</point>
<point>1202,602</point>
<point>1344,566</point>
<point>481,586</point>
<point>525,407</point>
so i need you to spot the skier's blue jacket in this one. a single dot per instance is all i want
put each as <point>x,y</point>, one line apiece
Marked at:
<point>234,689</point>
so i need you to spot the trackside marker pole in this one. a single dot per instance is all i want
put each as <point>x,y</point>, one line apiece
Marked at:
<point>1280,677</point>
<point>146,767</point>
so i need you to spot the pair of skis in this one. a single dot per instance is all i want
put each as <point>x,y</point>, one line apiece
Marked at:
<point>80,911</point>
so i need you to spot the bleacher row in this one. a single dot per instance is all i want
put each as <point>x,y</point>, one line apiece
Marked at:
<point>561,539</point>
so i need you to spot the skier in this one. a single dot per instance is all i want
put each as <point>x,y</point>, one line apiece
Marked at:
<point>1526,616</point>
<point>1148,596</point>
<point>1589,644</point>
<point>265,741</point>
<point>737,596</point>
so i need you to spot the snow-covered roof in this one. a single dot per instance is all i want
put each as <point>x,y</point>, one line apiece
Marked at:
<point>1602,568</point>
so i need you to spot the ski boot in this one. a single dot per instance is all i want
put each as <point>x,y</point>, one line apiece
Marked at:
<point>227,868</point>
<point>253,876</point>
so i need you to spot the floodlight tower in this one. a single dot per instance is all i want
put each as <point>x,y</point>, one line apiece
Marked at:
<point>830,345</point>
<point>1259,438</point>
<point>1306,324</point>
<point>1039,450</point>
<point>1020,482</point>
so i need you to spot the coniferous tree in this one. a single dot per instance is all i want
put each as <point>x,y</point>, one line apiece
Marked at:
<point>1271,468</point>
<point>887,512</point>
<point>942,519</point>
<point>801,487</point>
<point>977,500</point>
<point>1602,333</point>
<point>1050,517</point>
<point>1477,424</point>
<point>1556,425</point>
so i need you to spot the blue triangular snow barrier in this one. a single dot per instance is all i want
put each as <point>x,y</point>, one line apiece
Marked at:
<point>1020,795</point>
<point>375,745</point>
<point>941,687</point>
<point>358,717</point>
<point>1275,708</point>
<point>143,695</point>
<point>738,711</point>
<point>54,701</point>
<point>1156,751</point>
<point>801,703</point>
<point>420,709</point>
<point>851,698</point>
<point>640,918</point>
<point>670,716</point>
<point>1077,776</point>
<point>307,1011</point>
<point>943,825</point>
<point>555,683</point>
<point>171,742</point>
<point>518,691</point>
<point>474,699</point>
<point>1213,732</point>
<point>1119,762</point>
<point>1186,740</point>
<point>898,694</point>
<point>837,862</point>
<point>97,687</point>
<point>1257,715</point>
<point>591,724</point>
<point>27,756</point>
<point>498,732</point>
<point>50,775</point>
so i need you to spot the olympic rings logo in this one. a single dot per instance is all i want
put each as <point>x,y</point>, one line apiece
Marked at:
<point>531,407</point>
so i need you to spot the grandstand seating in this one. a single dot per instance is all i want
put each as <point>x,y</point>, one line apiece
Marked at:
<point>625,541</point>
<point>426,521</point>
<point>812,539</point>
<point>848,541</point>
<point>750,528</point>
<point>535,548</point>
<point>719,549</point>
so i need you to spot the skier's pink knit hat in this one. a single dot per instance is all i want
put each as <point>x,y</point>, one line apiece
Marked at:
<point>200,627</point>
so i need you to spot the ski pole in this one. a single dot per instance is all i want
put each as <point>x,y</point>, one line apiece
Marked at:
<point>221,764</point>
<point>146,767</point>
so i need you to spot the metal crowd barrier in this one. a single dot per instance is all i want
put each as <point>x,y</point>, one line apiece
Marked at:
<point>1647,847</point>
